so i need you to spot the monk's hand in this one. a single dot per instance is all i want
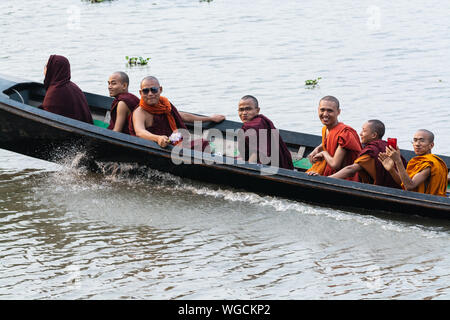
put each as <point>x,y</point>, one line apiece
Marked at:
<point>318,157</point>
<point>217,118</point>
<point>392,153</point>
<point>387,162</point>
<point>312,173</point>
<point>311,156</point>
<point>163,141</point>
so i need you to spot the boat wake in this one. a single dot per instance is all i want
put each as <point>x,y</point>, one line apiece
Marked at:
<point>113,177</point>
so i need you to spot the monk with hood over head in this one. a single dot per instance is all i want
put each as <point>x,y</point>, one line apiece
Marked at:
<point>64,97</point>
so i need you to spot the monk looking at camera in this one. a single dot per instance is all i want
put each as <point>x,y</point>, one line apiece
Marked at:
<point>340,143</point>
<point>123,104</point>
<point>253,125</point>
<point>156,118</point>
<point>425,173</point>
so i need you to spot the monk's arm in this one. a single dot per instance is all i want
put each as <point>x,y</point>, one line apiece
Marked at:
<point>336,161</point>
<point>408,182</point>
<point>141,132</point>
<point>122,113</point>
<point>348,171</point>
<point>188,117</point>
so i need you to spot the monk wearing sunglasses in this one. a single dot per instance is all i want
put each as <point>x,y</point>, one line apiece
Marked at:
<point>156,118</point>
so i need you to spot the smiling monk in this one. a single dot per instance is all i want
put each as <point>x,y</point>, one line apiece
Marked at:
<point>425,173</point>
<point>257,127</point>
<point>369,169</point>
<point>123,104</point>
<point>340,143</point>
<point>156,118</point>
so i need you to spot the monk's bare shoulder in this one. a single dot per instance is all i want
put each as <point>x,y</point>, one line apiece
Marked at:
<point>143,116</point>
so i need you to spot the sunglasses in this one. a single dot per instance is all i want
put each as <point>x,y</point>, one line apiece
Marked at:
<point>154,90</point>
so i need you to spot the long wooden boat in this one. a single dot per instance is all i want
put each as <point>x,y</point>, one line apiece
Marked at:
<point>28,130</point>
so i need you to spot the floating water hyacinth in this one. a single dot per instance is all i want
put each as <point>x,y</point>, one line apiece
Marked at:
<point>137,60</point>
<point>312,83</point>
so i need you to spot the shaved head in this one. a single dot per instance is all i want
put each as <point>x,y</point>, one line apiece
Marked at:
<point>123,77</point>
<point>151,78</point>
<point>378,127</point>
<point>331,99</point>
<point>252,98</point>
<point>428,133</point>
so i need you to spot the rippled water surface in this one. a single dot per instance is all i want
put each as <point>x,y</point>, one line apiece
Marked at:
<point>66,233</point>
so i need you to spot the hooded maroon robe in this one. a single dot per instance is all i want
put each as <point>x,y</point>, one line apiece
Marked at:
<point>383,177</point>
<point>64,97</point>
<point>161,127</point>
<point>132,103</point>
<point>262,122</point>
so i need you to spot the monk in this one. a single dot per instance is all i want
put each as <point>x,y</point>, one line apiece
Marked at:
<point>123,104</point>
<point>425,173</point>
<point>63,97</point>
<point>156,118</point>
<point>248,112</point>
<point>340,143</point>
<point>369,169</point>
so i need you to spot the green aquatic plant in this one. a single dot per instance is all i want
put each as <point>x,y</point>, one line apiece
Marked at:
<point>312,83</point>
<point>137,60</point>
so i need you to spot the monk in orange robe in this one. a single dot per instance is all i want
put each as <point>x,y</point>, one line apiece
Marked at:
<point>425,173</point>
<point>340,143</point>
<point>156,118</point>
<point>369,169</point>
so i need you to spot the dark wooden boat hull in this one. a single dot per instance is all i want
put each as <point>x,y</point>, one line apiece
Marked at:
<point>33,132</point>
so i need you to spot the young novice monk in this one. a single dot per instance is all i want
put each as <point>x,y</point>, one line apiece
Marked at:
<point>340,143</point>
<point>369,169</point>
<point>124,102</point>
<point>253,124</point>
<point>425,173</point>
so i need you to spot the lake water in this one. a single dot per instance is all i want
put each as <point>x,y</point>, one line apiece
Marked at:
<point>70,234</point>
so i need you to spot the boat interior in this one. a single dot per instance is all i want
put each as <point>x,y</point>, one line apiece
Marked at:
<point>299,144</point>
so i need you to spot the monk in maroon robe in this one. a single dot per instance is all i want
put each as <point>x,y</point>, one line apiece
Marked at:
<point>369,168</point>
<point>252,149</point>
<point>124,102</point>
<point>156,118</point>
<point>64,97</point>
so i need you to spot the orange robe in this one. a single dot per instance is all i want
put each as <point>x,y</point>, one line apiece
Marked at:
<point>344,136</point>
<point>437,182</point>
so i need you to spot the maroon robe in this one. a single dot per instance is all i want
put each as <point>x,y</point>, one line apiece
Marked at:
<point>383,177</point>
<point>262,122</point>
<point>132,103</point>
<point>64,97</point>
<point>161,127</point>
